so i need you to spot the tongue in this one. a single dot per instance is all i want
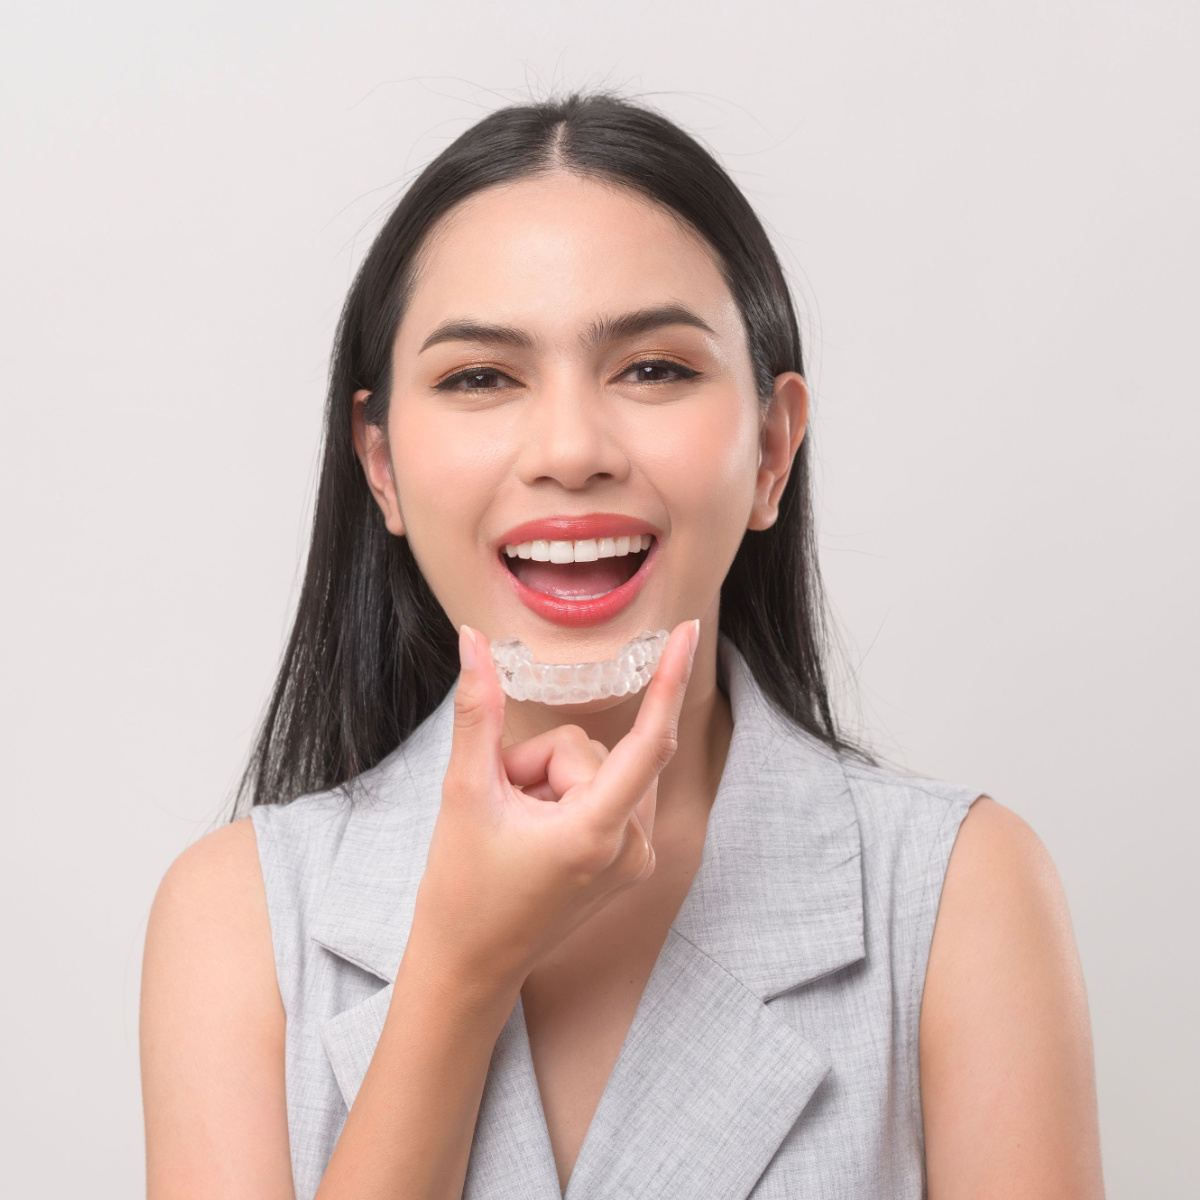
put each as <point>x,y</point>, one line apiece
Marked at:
<point>575,581</point>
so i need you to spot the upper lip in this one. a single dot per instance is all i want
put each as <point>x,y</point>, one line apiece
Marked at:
<point>573,529</point>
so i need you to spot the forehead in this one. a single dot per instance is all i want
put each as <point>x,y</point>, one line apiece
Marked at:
<point>550,253</point>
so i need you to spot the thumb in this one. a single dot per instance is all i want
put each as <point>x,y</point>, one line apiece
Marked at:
<point>478,712</point>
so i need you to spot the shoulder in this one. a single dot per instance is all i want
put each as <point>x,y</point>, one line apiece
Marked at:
<point>319,815</point>
<point>298,845</point>
<point>219,900</point>
<point>1007,1077</point>
<point>1002,902</point>
<point>1002,910</point>
<point>310,827</point>
<point>217,874</point>
<point>208,979</point>
<point>211,1012</point>
<point>889,797</point>
<point>226,874</point>
<point>908,826</point>
<point>209,905</point>
<point>998,856</point>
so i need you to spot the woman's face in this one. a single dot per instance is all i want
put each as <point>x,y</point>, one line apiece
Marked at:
<point>573,369</point>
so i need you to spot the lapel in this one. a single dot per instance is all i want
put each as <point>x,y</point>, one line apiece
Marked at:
<point>710,1077</point>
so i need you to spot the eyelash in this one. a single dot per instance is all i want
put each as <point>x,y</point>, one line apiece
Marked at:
<point>683,372</point>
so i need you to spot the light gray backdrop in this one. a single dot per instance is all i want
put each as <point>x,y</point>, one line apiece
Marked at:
<point>990,215</point>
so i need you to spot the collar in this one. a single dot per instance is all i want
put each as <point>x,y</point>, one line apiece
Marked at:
<point>776,903</point>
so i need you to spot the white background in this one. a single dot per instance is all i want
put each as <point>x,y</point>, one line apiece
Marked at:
<point>989,212</point>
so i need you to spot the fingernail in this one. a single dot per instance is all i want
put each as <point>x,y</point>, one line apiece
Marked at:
<point>466,648</point>
<point>694,635</point>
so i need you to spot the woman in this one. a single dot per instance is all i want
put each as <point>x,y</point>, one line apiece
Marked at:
<point>669,944</point>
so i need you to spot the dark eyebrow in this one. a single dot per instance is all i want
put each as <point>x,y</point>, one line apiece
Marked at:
<point>643,320</point>
<point>466,330</point>
<point>599,332</point>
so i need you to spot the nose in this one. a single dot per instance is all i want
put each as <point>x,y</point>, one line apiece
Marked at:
<point>568,437</point>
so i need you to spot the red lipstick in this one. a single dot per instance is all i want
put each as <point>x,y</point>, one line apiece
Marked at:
<point>563,610</point>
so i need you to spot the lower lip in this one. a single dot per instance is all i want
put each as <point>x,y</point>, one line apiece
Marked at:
<point>578,613</point>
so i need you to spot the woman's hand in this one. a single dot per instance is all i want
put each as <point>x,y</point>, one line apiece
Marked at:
<point>511,872</point>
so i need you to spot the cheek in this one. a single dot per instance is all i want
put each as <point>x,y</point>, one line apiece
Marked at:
<point>705,466</point>
<point>444,478</point>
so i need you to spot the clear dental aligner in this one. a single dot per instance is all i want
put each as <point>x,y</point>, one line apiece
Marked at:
<point>577,683</point>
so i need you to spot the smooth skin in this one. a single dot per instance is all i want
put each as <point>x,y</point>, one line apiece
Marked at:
<point>583,823</point>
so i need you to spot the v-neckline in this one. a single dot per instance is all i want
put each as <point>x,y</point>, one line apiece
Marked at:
<point>710,1076</point>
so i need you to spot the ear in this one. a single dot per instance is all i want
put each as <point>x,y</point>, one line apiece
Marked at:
<point>371,446</point>
<point>782,431</point>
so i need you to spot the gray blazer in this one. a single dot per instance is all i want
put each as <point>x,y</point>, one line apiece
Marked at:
<point>774,1051</point>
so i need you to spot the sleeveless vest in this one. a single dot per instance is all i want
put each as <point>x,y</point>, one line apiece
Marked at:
<point>773,1054</point>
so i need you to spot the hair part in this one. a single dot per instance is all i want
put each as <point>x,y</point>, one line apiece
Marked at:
<point>371,652</point>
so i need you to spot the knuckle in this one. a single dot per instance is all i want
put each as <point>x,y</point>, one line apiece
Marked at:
<point>665,745</point>
<point>588,855</point>
<point>470,709</point>
<point>572,735</point>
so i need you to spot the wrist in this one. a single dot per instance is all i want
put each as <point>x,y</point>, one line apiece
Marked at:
<point>483,993</point>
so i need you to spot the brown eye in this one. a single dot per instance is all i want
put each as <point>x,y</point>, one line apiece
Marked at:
<point>660,370</point>
<point>473,379</point>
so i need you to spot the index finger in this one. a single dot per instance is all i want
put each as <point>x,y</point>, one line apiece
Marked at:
<point>634,762</point>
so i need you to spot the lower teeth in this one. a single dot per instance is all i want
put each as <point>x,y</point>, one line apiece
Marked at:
<point>577,683</point>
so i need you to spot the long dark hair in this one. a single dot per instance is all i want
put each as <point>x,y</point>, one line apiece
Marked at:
<point>371,652</point>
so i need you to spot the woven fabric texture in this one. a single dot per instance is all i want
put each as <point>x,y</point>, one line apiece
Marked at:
<point>774,1051</point>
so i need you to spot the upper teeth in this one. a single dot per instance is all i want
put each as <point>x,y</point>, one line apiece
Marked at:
<point>585,551</point>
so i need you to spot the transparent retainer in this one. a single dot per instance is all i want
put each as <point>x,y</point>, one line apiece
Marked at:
<point>577,683</point>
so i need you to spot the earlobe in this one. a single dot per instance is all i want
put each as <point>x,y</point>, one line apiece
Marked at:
<point>782,432</point>
<point>371,447</point>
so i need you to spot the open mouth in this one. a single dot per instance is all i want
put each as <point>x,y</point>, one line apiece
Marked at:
<point>582,570</point>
